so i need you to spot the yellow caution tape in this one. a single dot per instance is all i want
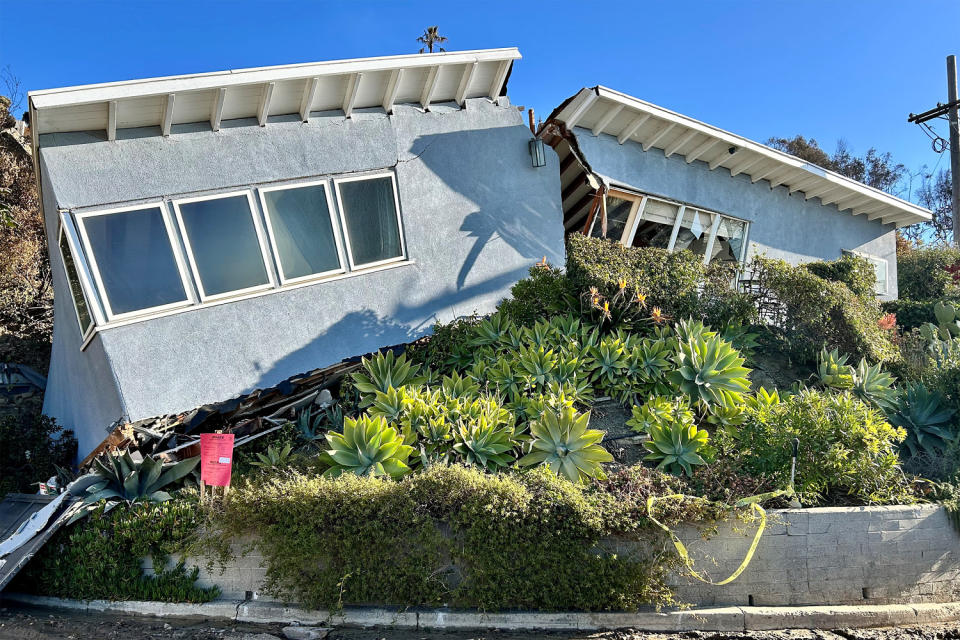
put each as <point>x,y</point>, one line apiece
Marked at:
<point>753,502</point>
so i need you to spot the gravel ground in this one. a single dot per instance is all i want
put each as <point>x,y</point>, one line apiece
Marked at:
<point>30,623</point>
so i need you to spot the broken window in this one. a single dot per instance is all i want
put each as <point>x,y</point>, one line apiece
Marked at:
<point>647,221</point>
<point>224,243</point>
<point>132,259</point>
<point>76,289</point>
<point>301,227</point>
<point>371,219</point>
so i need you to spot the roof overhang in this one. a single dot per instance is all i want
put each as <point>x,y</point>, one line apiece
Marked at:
<point>603,110</point>
<point>272,91</point>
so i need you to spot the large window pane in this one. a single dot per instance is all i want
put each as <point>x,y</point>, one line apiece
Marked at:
<point>656,224</point>
<point>135,259</point>
<point>694,232</point>
<point>370,216</point>
<point>302,231</point>
<point>728,246</point>
<point>223,240</point>
<point>618,211</point>
<point>73,279</point>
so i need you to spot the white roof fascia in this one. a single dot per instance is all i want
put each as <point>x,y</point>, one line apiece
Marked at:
<point>587,112</point>
<point>93,93</point>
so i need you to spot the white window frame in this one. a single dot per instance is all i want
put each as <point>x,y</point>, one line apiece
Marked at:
<point>640,201</point>
<point>334,225</point>
<point>886,268</point>
<point>85,333</point>
<point>261,239</point>
<point>95,268</point>
<point>343,221</point>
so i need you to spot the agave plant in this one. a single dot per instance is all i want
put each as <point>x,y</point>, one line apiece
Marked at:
<point>762,399</point>
<point>367,447</point>
<point>391,404</point>
<point>457,386</point>
<point>710,371</point>
<point>537,364</point>
<point>657,410</point>
<point>485,443</point>
<point>383,371</point>
<point>609,361</point>
<point>562,441</point>
<point>833,370</point>
<point>675,441</point>
<point>492,330</point>
<point>124,480</point>
<point>275,458</point>
<point>874,386</point>
<point>925,417</point>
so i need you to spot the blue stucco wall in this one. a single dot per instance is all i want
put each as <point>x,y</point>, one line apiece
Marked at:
<point>782,225</point>
<point>476,216</point>
<point>81,392</point>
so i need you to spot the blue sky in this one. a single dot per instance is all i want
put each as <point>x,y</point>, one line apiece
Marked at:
<point>826,69</point>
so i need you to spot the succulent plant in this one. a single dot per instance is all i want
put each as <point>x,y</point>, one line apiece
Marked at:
<point>874,386</point>
<point>654,411</point>
<point>492,330</point>
<point>562,441</point>
<point>456,386</point>
<point>833,370</point>
<point>121,479</point>
<point>536,364</point>
<point>947,325</point>
<point>367,446</point>
<point>675,441</point>
<point>485,443</point>
<point>710,371</point>
<point>383,371</point>
<point>609,361</point>
<point>925,416</point>
<point>762,398</point>
<point>275,458</point>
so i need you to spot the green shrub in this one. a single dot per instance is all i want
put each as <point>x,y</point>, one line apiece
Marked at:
<point>31,449</point>
<point>812,313</point>
<point>545,293</point>
<point>677,282</point>
<point>922,277</point>
<point>910,313</point>
<point>457,536</point>
<point>436,350</point>
<point>848,451</point>
<point>855,272</point>
<point>99,557</point>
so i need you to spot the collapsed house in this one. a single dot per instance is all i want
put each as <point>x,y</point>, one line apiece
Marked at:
<point>648,177</point>
<point>218,233</point>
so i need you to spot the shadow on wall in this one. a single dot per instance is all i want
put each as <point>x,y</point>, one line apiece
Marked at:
<point>513,202</point>
<point>507,216</point>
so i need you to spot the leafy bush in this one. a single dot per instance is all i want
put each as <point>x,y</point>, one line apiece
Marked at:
<point>848,451</point>
<point>459,537</point>
<point>812,313</point>
<point>31,449</point>
<point>910,314</point>
<point>676,282</point>
<point>855,272</point>
<point>545,293</point>
<point>99,557</point>
<point>436,350</point>
<point>922,274</point>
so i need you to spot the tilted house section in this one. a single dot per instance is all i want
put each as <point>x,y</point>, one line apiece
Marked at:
<point>217,233</point>
<point>646,176</point>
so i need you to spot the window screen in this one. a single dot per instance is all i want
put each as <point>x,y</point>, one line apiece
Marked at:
<point>224,244</point>
<point>302,231</point>
<point>73,279</point>
<point>135,260</point>
<point>369,212</point>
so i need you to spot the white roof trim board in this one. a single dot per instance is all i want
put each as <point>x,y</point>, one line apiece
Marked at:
<point>603,110</point>
<point>262,92</point>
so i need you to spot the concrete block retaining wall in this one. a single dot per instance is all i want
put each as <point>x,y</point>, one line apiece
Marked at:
<point>839,556</point>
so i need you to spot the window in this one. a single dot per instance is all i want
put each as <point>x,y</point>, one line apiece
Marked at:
<point>371,219</point>
<point>224,243</point>
<point>879,267</point>
<point>300,222</point>
<point>646,221</point>
<point>76,289</point>
<point>132,259</point>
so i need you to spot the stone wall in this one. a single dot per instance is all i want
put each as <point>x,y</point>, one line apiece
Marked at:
<point>851,555</point>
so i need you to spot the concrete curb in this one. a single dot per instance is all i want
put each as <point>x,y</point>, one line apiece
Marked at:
<point>707,619</point>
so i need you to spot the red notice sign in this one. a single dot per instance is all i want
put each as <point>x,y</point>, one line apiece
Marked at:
<point>216,459</point>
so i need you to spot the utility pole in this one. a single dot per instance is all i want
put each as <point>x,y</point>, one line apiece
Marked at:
<point>950,109</point>
<point>953,100</point>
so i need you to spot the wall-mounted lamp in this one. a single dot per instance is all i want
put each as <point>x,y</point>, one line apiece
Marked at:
<point>537,153</point>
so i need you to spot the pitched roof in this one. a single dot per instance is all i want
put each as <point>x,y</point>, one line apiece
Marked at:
<point>604,110</point>
<point>271,91</point>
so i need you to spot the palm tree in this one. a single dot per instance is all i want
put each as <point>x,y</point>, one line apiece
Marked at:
<point>430,37</point>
